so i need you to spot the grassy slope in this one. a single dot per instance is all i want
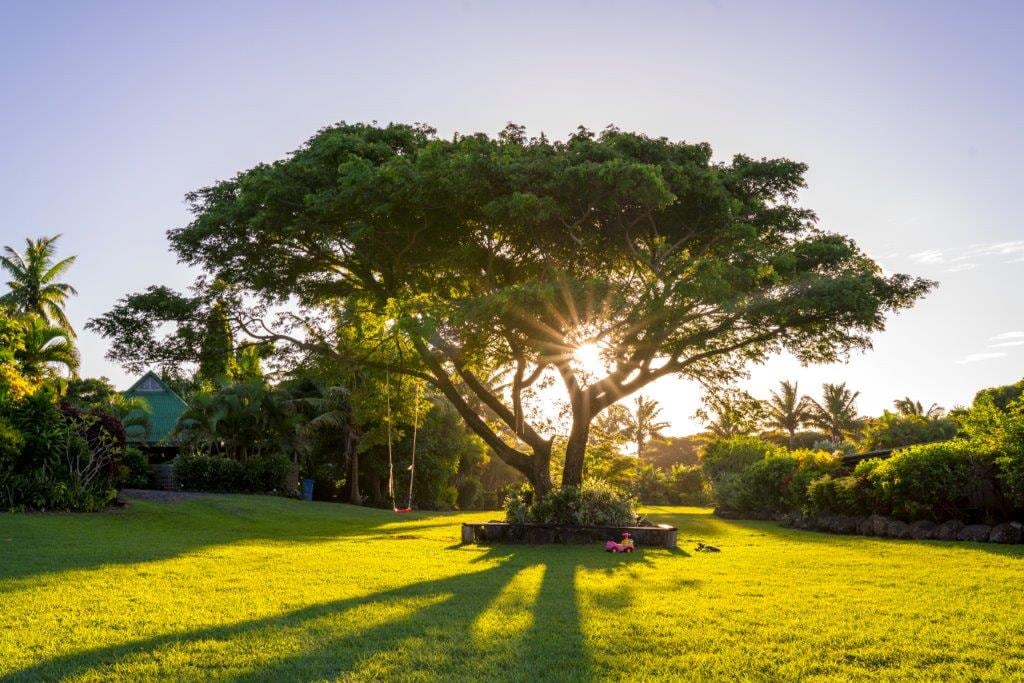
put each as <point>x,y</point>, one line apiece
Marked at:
<point>264,588</point>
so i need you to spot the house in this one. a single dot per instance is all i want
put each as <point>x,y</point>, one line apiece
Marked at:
<point>165,409</point>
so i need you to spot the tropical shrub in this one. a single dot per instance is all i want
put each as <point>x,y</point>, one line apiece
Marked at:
<point>722,456</point>
<point>593,504</point>
<point>762,487</point>
<point>258,474</point>
<point>774,484</point>
<point>812,464</point>
<point>134,472</point>
<point>839,495</point>
<point>893,430</point>
<point>687,485</point>
<point>55,456</point>
<point>928,481</point>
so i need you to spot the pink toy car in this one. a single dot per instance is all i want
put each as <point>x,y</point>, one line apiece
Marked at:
<point>625,547</point>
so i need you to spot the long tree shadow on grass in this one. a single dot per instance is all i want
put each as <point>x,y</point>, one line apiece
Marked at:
<point>430,628</point>
<point>36,544</point>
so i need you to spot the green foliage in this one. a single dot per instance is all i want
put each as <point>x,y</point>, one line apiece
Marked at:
<point>216,347</point>
<point>672,450</point>
<point>731,412</point>
<point>836,414</point>
<point>89,392</point>
<point>895,430</point>
<point>928,481</point>
<point>47,349</point>
<point>840,495</point>
<point>13,382</point>
<point>804,439</point>
<point>762,487</point>
<point>56,457</point>
<point>593,504</point>
<point>515,248</point>
<point>258,474</point>
<point>732,455</point>
<point>35,286</point>
<point>788,411</point>
<point>812,465</point>
<point>134,472</point>
<point>240,420</point>
<point>1001,397</point>
<point>679,485</point>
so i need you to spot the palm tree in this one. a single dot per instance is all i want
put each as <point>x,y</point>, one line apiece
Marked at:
<point>134,414</point>
<point>642,423</point>
<point>46,347</point>
<point>34,284</point>
<point>730,412</point>
<point>909,408</point>
<point>788,410</point>
<point>330,410</point>
<point>837,412</point>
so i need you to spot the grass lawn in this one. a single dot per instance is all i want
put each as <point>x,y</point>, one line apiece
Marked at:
<point>266,588</point>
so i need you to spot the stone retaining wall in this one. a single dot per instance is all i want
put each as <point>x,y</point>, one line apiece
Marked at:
<point>921,530</point>
<point>660,536</point>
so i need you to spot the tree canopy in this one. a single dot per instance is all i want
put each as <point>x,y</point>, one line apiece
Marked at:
<point>480,264</point>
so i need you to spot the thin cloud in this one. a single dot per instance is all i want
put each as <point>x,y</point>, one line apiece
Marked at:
<point>1006,344</point>
<point>976,357</point>
<point>1008,335</point>
<point>928,256</point>
<point>964,258</point>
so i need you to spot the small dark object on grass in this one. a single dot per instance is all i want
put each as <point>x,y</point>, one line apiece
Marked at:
<point>701,548</point>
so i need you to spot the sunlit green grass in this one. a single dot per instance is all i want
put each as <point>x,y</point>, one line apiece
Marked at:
<point>252,587</point>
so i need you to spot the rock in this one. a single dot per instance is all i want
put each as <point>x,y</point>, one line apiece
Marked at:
<point>1011,532</point>
<point>823,522</point>
<point>845,525</point>
<point>948,531</point>
<point>804,522</point>
<point>865,527</point>
<point>897,529</point>
<point>879,525</point>
<point>922,530</point>
<point>978,533</point>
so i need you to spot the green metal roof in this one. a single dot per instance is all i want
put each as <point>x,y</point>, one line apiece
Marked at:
<point>165,406</point>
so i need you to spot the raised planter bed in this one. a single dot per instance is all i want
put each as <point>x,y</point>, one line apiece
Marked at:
<point>659,536</point>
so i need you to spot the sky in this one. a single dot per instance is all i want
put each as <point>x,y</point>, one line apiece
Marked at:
<point>907,113</point>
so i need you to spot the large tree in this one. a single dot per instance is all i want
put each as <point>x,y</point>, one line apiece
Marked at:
<point>491,260</point>
<point>35,286</point>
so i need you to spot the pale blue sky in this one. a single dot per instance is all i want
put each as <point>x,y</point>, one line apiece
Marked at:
<point>909,114</point>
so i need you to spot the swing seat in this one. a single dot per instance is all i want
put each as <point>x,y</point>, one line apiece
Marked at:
<point>402,510</point>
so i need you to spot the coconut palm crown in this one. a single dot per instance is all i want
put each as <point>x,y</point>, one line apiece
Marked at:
<point>35,286</point>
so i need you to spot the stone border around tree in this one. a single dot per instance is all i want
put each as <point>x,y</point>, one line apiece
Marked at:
<point>880,526</point>
<point>659,536</point>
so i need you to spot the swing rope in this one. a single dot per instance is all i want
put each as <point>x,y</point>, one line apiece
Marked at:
<point>391,457</point>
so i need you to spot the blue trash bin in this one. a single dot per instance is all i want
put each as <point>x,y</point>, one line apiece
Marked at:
<point>307,489</point>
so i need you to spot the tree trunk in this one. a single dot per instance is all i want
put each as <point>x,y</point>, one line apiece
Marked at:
<point>378,497</point>
<point>353,472</point>
<point>575,450</point>
<point>540,475</point>
<point>792,438</point>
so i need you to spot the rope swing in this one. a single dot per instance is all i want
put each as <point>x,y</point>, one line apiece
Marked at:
<point>391,457</point>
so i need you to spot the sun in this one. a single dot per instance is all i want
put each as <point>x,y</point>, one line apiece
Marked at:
<point>589,358</point>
